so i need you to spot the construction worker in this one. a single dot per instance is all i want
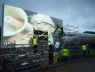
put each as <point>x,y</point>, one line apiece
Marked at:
<point>88,49</point>
<point>50,54</point>
<point>84,50</point>
<point>61,28</point>
<point>55,57</point>
<point>65,54</point>
<point>34,43</point>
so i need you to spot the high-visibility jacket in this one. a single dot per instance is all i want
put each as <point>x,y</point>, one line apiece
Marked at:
<point>65,52</point>
<point>59,26</point>
<point>34,41</point>
<point>84,47</point>
<point>55,57</point>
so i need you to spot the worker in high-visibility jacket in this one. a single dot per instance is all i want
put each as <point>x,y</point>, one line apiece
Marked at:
<point>55,57</point>
<point>84,50</point>
<point>65,54</point>
<point>34,44</point>
<point>59,26</point>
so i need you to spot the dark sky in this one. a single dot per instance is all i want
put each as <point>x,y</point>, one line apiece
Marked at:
<point>79,13</point>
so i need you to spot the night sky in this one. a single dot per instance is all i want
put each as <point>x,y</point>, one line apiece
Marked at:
<point>79,13</point>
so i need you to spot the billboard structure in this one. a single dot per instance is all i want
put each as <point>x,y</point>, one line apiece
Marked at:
<point>19,26</point>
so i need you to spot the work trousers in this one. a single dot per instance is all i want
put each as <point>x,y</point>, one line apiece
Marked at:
<point>35,49</point>
<point>84,53</point>
<point>50,58</point>
<point>64,58</point>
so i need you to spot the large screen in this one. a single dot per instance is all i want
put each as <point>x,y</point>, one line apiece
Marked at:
<point>19,26</point>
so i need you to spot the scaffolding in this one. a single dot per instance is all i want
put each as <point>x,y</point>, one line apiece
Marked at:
<point>19,58</point>
<point>70,40</point>
<point>24,58</point>
<point>73,42</point>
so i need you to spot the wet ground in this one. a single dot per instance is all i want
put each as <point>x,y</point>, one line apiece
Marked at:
<point>82,65</point>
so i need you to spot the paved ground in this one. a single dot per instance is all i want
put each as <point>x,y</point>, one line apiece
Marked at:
<point>84,65</point>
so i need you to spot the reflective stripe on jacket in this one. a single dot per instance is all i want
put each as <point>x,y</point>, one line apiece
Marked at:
<point>65,52</point>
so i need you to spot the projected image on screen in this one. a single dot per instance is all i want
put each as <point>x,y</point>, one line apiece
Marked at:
<point>21,25</point>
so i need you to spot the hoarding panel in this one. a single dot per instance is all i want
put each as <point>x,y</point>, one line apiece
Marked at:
<point>19,26</point>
